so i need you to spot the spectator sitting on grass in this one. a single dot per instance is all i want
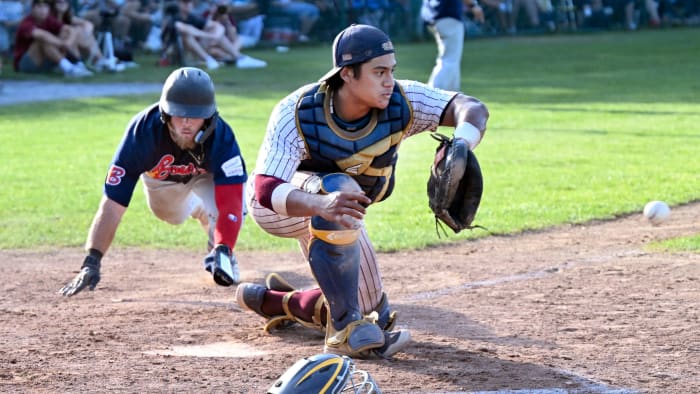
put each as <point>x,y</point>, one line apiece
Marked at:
<point>86,43</point>
<point>206,39</point>
<point>42,43</point>
<point>305,13</point>
<point>221,11</point>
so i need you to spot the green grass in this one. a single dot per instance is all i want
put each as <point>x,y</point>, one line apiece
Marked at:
<point>582,127</point>
<point>683,244</point>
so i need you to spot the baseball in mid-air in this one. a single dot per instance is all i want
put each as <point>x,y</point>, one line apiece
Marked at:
<point>657,212</point>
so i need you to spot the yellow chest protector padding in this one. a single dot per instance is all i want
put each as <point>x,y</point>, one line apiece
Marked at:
<point>368,155</point>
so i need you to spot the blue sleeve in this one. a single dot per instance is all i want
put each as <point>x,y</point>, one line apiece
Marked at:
<point>129,161</point>
<point>226,162</point>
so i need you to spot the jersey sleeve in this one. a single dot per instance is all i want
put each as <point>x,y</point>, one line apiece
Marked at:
<point>226,160</point>
<point>128,162</point>
<point>428,105</point>
<point>282,149</point>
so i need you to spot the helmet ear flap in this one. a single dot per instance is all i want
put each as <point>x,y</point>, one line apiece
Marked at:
<point>209,126</point>
<point>204,133</point>
<point>165,118</point>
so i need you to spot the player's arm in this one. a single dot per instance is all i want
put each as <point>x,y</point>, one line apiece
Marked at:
<point>286,199</point>
<point>100,237</point>
<point>469,116</point>
<point>104,225</point>
<point>281,153</point>
<point>118,188</point>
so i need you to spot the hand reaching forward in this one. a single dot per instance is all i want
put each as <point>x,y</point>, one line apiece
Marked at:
<point>88,276</point>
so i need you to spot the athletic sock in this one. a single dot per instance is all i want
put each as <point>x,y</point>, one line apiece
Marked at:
<point>301,304</point>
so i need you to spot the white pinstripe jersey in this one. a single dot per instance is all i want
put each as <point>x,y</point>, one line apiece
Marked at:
<point>283,147</point>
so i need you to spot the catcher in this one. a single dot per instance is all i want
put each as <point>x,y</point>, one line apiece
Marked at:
<point>330,152</point>
<point>190,165</point>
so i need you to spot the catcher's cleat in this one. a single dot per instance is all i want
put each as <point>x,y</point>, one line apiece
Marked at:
<point>394,342</point>
<point>251,296</point>
<point>357,339</point>
<point>275,281</point>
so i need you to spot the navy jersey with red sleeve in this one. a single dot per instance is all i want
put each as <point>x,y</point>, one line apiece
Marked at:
<point>147,148</point>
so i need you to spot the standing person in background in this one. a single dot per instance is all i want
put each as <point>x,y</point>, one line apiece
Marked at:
<point>190,165</point>
<point>445,20</point>
<point>330,151</point>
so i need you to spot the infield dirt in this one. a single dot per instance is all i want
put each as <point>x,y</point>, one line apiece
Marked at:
<point>582,309</point>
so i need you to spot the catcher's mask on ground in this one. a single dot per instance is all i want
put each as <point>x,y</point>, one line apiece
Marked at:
<point>324,374</point>
<point>188,92</point>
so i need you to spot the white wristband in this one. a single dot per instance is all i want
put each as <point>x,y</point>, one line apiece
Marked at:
<point>279,197</point>
<point>469,133</point>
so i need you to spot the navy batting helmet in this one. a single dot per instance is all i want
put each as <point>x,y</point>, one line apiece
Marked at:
<point>324,374</point>
<point>188,93</point>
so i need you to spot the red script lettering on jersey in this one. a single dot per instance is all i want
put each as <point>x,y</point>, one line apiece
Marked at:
<point>165,168</point>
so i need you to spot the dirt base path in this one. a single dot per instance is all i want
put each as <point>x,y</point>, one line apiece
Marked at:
<point>574,309</point>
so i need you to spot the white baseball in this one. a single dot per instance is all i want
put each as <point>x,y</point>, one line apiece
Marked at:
<point>657,212</point>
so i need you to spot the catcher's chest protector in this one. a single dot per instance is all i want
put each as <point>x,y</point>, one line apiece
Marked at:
<point>368,154</point>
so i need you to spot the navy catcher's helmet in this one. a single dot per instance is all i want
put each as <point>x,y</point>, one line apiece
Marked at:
<point>188,93</point>
<point>324,374</point>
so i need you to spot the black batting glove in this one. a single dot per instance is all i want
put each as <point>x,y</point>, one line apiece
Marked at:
<point>88,276</point>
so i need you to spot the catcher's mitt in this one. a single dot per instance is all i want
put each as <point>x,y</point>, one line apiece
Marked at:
<point>455,184</point>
